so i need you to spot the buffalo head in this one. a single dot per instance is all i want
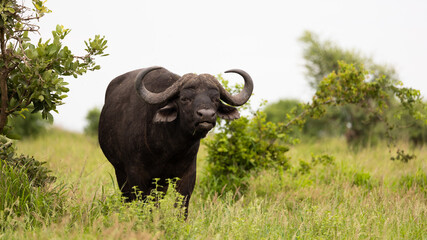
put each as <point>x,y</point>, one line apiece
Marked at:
<point>195,101</point>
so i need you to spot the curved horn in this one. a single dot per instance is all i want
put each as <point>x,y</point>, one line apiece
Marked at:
<point>150,97</point>
<point>244,95</point>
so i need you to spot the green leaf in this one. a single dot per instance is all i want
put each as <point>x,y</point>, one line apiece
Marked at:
<point>11,10</point>
<point>50,118</point>
<point>53,49</point>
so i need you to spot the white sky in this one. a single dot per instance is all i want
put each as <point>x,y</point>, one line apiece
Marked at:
<point>260,37</point>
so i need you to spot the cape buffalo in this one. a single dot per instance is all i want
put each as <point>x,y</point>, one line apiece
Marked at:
<point>152,122</point>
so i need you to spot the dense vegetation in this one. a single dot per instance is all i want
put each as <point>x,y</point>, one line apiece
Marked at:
<point>327,192</point>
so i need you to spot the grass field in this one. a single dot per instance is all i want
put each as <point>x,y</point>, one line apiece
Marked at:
<point>359,195</point>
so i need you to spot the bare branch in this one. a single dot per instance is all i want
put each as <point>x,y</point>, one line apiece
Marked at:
<point>24,57</point>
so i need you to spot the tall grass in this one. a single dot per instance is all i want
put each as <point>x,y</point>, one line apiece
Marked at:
<point>357,195</point>
<point>25,203</point>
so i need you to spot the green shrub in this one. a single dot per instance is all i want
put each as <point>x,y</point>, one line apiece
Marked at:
<point>241,148</point>
<point>37,173</point>
<point>26,196</point>
<point>363,179</point>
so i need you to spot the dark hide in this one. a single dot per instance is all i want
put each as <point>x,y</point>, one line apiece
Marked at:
<point>146,141</point>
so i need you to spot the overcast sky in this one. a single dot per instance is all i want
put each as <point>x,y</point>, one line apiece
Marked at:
<point>260,37</point>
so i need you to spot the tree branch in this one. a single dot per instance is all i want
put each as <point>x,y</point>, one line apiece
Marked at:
<point>24,57</point>
<point>305,112</point>
<point>4,72</point>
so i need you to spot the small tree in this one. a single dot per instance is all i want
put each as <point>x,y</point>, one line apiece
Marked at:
<point>31,81</point>
<point>357,123</point>
<point>31,74</point>
<point>323,57</point>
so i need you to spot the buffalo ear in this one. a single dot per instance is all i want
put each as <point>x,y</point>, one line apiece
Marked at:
<point>167,113</point>
<point>228,112</point>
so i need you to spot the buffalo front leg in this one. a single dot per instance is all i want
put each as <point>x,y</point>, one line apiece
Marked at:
<point>136,184</point>
<point>122,183</point>
<point>185,187</point>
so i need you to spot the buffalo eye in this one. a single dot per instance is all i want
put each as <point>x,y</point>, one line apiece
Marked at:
<point>215,99</point>
<point>186,100</point>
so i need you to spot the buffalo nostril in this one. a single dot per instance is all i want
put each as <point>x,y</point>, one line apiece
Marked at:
<point>206,113</point>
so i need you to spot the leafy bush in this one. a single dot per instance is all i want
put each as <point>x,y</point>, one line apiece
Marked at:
<point>362,179</point>
<point>38,175</point>
<point>241,148</point>
<point>25,192</point>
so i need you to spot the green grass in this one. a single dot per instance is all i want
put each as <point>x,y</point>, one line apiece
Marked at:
<point>360,195</point>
